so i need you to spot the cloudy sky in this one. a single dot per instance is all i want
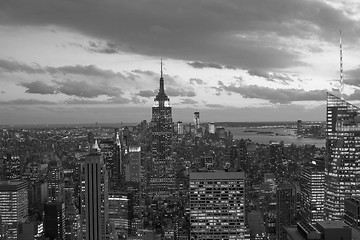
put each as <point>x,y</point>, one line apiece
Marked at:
<point>85,61</point>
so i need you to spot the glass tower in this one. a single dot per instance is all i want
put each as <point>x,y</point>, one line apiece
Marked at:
<point>343,151</point>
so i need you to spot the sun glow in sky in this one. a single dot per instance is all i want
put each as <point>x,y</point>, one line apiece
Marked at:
<point>87,61</point>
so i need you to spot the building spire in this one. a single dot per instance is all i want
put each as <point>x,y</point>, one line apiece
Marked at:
<point>341,70</point>
<point>161,78</point>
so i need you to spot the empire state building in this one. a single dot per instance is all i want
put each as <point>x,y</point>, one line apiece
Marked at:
<point>162,177</point>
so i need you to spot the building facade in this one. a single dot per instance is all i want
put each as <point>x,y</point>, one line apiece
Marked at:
<point>94,197</point>
<point>217,205</point>
<point>343,151</point>
<point>54,220</point>
<point>285,208</point>
<point>312,185</point>
<point>13,206</point>
<point>162,181</point>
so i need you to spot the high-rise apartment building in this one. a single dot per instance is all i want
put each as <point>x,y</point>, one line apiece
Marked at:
<point>94,196</point>
<point>162,176</point>
<point>343,149</point>
<point>312,185</point>
<point>217,205</point>
<point>285,208</point>
<point>13,206</point>
<point>54,220</point>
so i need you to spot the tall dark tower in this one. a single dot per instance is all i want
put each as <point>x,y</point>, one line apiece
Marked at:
<point>162,177</point>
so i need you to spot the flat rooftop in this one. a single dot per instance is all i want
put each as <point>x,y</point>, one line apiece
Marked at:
<point>333,224</point>
<point>217,174</point>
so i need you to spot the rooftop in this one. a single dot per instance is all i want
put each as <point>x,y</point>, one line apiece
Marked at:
<point>217,174</point>
<point>333,224</point>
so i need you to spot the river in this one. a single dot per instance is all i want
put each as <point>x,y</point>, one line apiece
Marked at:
<point>273,134</point>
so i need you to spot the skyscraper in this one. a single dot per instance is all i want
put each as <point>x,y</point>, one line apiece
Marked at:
<point>312,185</point>
<point>13,206</point>
<point>94,196</point>
<point>10,167</point>
<point>343,151</point>
<point>56,181</point>
<point>133,166</point>
<point>285,208</point>
<point>217,205</point>
<point>54,221</point>
<point>162,177</point>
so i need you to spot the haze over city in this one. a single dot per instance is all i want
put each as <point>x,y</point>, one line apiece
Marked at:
<point>99,61</point>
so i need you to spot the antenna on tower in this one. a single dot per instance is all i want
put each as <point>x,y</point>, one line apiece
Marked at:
<point>161,64</point>
<point>341,71</point>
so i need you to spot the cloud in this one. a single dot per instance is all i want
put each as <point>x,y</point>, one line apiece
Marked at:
<point>38,87</point>
<point>188,101</point>
<point>179,92</point>
<point>197,81</point>
<point>281,95</point>
<point>147,73</point>
<point>352,77</point>
<point>147,93</point>
<point>270,76</point>
<point>204,65</point>
<point>214,106</point>
<point>23,101</point>
<point>86,89</point>
<point>89,70</point>
<point>247,34</point>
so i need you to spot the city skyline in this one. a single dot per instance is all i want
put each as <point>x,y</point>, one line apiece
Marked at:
<point>82,62</point>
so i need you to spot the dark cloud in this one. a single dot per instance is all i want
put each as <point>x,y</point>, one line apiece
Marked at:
<point>272,77</point>
<point>235,33</point>
<point>352,77</point>
<point>188,101</point>
<point>26,102</point>
<point>204,65</point>
<point>147,93</point>
<point>86,89</point>
<point>179,92</point>
<point>197,81</point>
<point>281,95</point>
<point>90,70</point>
<point>38,87</point>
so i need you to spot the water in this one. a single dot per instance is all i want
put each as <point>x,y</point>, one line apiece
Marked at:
<point>265,138</point>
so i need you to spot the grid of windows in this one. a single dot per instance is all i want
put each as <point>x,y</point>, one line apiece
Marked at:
<point>217,205</point>
<point>343,151</point>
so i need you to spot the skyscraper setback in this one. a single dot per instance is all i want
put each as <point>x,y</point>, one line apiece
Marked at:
<point>343,148</point>
<point>162,177</point>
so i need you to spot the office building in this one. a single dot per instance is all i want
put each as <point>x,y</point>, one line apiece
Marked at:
<point>13,206</point>
<point>180,128</point>
<point>285,208</point>
<point>133,166</point>
<point>312,185</point>
<point>162,181</point>
<point>54,220</point>
<point>212,128</point>
<point>352,211</point>
<point>94,196</point>
<point>342,163</point>
<point>217,205</point>
<point>119,213</point>
<point>118,171</point>
<point>299,128</point>
<point>10,167</point>
<point>56,182</point>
